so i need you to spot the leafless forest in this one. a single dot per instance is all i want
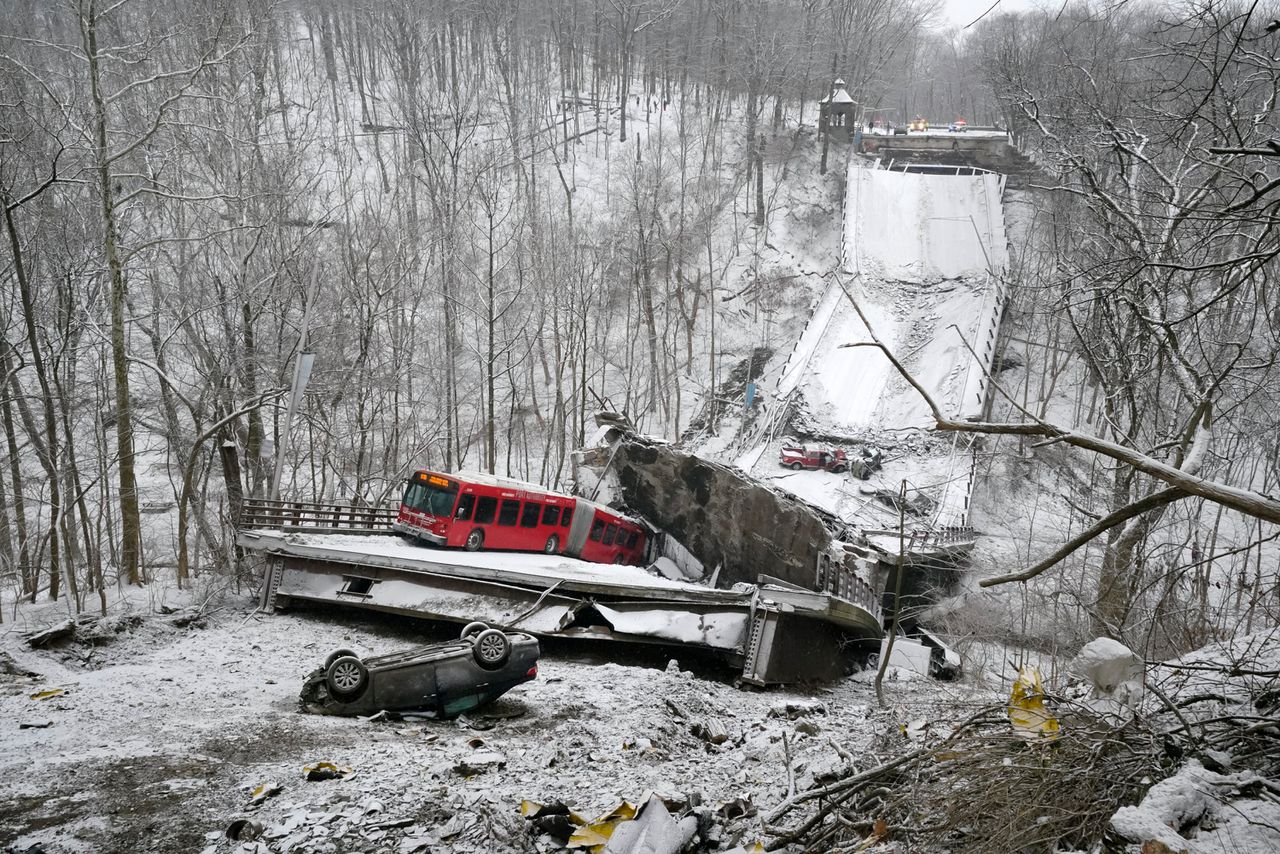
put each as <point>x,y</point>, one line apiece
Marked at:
<point>489,220</point>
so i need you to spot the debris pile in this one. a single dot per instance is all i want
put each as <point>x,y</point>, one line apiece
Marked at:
<point>656,824</point>
<point>1059,772</point>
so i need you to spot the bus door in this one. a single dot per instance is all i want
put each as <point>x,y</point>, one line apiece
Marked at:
<point>462,522</point>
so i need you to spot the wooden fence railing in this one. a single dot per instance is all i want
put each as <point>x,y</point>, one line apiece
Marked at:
<point>316,516</point>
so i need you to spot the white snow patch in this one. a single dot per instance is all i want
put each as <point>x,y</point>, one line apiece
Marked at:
<point>1197,798</point>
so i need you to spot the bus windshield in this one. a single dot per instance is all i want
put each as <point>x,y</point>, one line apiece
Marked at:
<point>431,498</point>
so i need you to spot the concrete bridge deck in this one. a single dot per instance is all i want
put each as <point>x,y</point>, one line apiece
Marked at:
<point>775,632</point>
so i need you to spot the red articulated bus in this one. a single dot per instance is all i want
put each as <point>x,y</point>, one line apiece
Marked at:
<point>480,511</point>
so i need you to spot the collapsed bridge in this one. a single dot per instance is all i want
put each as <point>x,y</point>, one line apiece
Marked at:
<point>348,555</point>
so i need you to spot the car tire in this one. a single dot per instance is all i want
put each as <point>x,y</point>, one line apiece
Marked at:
<point>335,655</point>
<point>840,469</point>
<point>475,540</point>
<point>491,648</point>
<point>796,466</point>
<point>347,678</point>
<point>553,545</point>
<point>472,629</point>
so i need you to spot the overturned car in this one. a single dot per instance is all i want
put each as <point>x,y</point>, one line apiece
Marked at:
<point>447,678</point>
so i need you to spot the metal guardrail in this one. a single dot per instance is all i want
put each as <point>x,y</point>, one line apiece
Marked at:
<point>920,540</point>
<point>944,537</point>
<point>316,517</point>
<point>936,168</point>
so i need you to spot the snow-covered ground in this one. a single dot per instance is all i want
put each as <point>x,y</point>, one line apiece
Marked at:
<point>146,736</point>
<point>159,735</point>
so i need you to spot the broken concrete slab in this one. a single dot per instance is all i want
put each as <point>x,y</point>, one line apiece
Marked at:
<point>775,633</point>
<point>722,516</point>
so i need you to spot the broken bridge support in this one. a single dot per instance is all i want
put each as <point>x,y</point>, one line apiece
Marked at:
<point>722,516</point>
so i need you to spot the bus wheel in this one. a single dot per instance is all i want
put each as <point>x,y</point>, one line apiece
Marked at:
<point>475,540</point>
<point>617,558</point>
<point>553,545</point>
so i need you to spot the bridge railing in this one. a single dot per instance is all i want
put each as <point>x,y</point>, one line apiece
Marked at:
<point>317,517</point>
<point>843,581</point>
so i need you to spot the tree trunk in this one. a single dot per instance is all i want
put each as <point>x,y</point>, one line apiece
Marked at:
<point>16,481</point>
<point>46,449</point>
<point>759,157</point>
<point>491,446</point>
<point>130,519</point>
<point>253,443</point>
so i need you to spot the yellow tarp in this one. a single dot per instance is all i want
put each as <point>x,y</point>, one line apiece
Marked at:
<point>594,836</point>
<point>1028,714</point>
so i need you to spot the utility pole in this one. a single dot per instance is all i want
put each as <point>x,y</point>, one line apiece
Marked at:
<point>887,652</point>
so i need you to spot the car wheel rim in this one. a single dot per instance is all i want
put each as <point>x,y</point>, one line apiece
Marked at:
<point>491,649</point>
<point>346,677</point>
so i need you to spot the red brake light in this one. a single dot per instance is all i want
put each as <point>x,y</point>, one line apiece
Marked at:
<point>533,672</point>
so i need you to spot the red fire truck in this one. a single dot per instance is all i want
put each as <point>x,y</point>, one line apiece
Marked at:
<point>479,511</point>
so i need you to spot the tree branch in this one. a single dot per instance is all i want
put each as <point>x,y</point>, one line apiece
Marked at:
<point>1106,523</point>
<point>1245,501</point>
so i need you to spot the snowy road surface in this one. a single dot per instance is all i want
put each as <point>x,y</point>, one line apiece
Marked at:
<point>920,247</point>
<point>915,227</point>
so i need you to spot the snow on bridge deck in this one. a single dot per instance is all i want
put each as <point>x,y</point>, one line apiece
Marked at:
<point>560,596</point>
<point>922,253</point>
<point>535,570</point>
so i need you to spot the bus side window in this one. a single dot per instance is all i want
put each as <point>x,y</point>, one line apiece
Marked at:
<point>485,508</point>
<point>465,503</point>
<point>529,516</point>
<point>566,517</point>
<point>550,515</point>
<point>609,533</point>
<point>631,539</point>
<point>508,512</point>
<point>597,528</point>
